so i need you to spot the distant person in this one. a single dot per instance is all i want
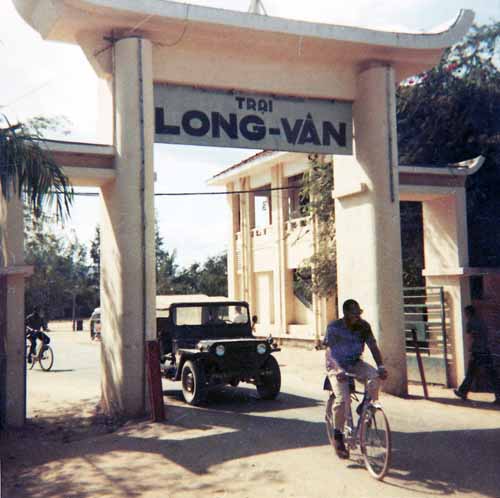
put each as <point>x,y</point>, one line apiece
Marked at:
<point>239,316</point>
<point>480,355</point>
<point>34,325</point>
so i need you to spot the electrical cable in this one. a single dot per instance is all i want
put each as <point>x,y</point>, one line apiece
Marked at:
<point>180,194</point>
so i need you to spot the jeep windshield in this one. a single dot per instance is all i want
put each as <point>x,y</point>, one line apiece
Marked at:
<point>210,314</point>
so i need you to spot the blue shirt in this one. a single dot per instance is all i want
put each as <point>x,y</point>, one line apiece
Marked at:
<point>347,343</point>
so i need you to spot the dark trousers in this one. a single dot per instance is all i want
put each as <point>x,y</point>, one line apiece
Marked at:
<point>33,336</point>
<point>32,339</point>
<point>477,361</point>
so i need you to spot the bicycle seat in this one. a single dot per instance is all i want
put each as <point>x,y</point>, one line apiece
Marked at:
<point>327,385</point>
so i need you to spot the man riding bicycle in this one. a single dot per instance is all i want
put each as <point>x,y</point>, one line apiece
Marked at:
<point>345,340</point>
<point>34,325</point>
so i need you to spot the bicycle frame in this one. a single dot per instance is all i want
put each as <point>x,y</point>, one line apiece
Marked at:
<point>351,432</point>
<point>370,414</point>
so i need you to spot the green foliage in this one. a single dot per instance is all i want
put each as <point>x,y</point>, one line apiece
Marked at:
<point>412,242</point>
<point>319,272</point>
<point>208,278</point>
<point>26,167</point>
<point>95,256</point>
<point>166,267</point>
<point>451,113</point>
<point>60,271</point>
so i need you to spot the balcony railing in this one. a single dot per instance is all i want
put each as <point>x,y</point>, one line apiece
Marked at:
<point>261,232</point>
<point>297,223</point>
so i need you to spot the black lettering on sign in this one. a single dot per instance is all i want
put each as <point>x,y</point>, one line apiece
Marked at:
<point>339,136</point>
<point>240,102</point>
<point>252,128</point>
<point>291,133</point>
<point>160,127</point>
<point>251,104</point>
<point>189,123</point>
<point>309,134</point>
<point>262,105</point>
<point>230,127</point>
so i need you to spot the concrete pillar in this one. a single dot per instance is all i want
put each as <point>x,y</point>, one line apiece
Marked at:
<point>12,341</point>
<point>105,112</point>
<point>232,263</point>
<point>128,285</point>
<point>246,217</point>
<point>281,274</point>
<point>367,219</point>
<point>446,256</point>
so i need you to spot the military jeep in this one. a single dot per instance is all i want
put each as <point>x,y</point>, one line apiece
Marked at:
<point>210,344</point>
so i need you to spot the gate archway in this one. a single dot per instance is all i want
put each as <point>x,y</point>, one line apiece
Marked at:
<point>133,48</point>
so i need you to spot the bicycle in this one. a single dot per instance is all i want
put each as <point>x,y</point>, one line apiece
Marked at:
<point>371,432</point>
<point>44,354</point>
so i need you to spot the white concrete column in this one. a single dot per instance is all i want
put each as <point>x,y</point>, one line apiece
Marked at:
<point>445,232</point>
<point>446,256</point>
<point>105,112</point>
<point>128,284</point>
<point>367,219</point>
<point>12,341</point>
<point>232,264</point>
<point>280,274</point>
<point>246,216</point>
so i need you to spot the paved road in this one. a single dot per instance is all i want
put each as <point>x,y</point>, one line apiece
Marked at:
<point>239,446</point>
<point>75,375</point>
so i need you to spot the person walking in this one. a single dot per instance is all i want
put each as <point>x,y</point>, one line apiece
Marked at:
<point>480,355</point>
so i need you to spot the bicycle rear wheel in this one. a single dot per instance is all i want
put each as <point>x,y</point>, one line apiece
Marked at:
<point>46,358</point>
<point>375,441</point>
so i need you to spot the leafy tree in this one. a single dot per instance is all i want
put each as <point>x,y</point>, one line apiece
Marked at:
<point>61,277</point>
<point>208,278</point>
<point>318,274</point>
<point>213,276</point>
<point>166,267</point>
<point>449,114</point>
<point>95,256</point>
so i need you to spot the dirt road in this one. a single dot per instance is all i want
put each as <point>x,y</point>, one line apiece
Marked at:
<point>237,445</point>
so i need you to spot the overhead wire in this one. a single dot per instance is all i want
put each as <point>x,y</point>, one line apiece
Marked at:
<point>180,194</point>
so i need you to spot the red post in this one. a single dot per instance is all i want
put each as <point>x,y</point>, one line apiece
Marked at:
<point>420,364</point>
<point>154,381</point>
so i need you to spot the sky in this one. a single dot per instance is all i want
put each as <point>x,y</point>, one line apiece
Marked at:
<point>39,78</point>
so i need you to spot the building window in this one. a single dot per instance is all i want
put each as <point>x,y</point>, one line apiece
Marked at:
<point>297,203</point>
<point>477,287</point>
<point>263,207</point>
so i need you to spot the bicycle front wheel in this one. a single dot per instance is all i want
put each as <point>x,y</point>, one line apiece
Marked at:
<point>375,442</point>
<point>46,358</point>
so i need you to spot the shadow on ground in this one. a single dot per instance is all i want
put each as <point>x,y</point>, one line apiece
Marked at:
<point>246,399</point>
<point>201,439</point>
<point>447,462</point>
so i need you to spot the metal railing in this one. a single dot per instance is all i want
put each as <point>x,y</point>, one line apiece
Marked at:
<point>425,311</point>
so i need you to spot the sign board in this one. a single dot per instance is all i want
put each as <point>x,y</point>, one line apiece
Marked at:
<point>194,116</point>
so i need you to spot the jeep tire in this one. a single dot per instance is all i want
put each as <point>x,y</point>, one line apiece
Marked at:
<point>270,384</point>
<point>193,383</point>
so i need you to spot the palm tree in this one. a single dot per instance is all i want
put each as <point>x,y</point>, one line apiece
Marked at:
<point>26,170</point>
<point>27,167</point>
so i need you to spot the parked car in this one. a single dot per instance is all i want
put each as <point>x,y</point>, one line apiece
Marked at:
<point>95,324</point>
<point>210,343</point>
